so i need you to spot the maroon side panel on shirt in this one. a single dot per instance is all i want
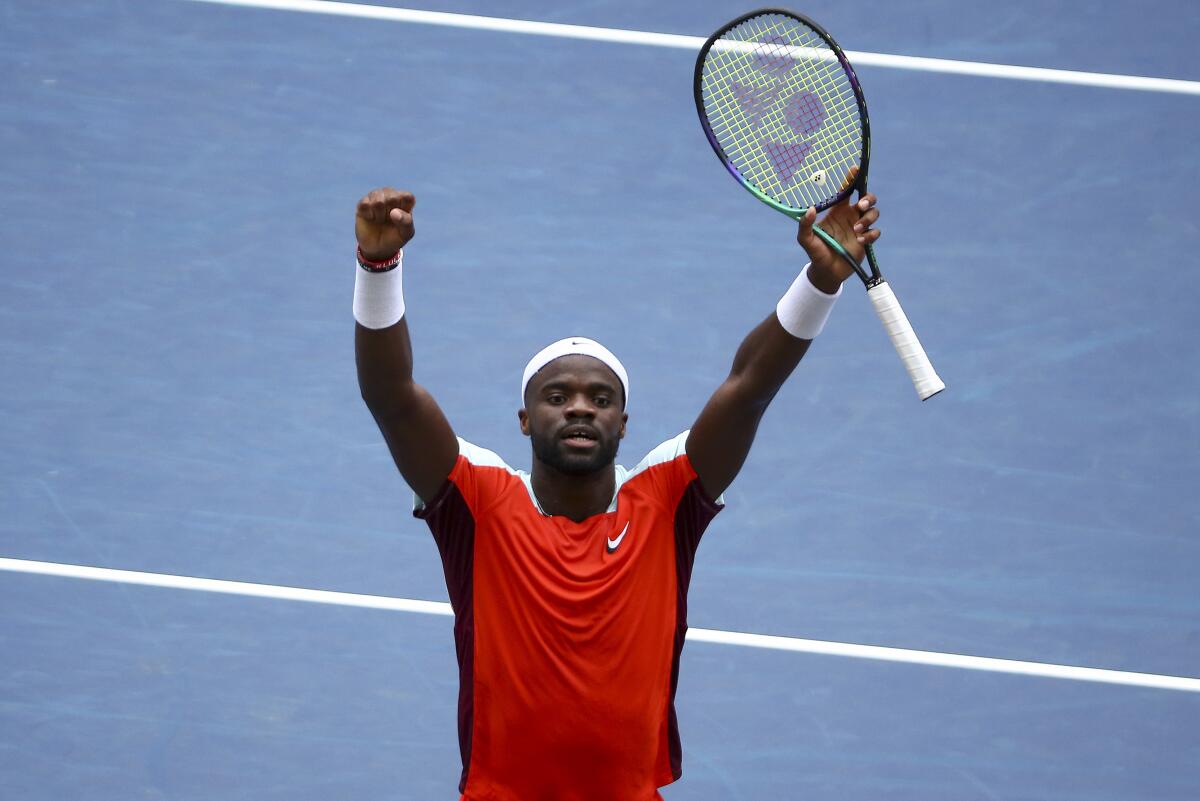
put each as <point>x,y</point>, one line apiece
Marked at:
<point>453,527</point>
<point>692,516</point>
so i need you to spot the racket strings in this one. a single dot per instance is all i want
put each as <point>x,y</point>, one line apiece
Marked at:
<point>816,82</point>
<point>783,110</point>
<point>773,48</point>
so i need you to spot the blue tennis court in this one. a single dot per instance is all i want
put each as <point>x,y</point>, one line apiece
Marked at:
<point>179,395</point>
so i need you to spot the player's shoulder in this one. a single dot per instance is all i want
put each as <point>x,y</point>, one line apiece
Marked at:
<point>476,456</point>
<point>668,452</point>
<point>668,474</point>
<point>480,476</point>
<point>483,473</point>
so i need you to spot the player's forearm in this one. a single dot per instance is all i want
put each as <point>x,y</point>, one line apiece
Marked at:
<point>763,362</point>
<point>385,367</point>
<point>382,348</point>
<point>771,352</point>
<point>721,437</point>
<point>419,437</point>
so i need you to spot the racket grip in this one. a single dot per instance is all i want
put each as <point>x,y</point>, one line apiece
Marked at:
<point>923,376</point>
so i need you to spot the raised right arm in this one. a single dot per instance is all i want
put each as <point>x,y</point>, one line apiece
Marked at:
<point>417,433</point>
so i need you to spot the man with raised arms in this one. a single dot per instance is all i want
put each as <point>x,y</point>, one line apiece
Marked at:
<point>569,582</point>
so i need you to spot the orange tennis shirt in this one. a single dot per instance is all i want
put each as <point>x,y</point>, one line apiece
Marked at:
<point>568,634</point>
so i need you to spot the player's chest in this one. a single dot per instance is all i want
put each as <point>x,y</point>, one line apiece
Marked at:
<point>634,539</point>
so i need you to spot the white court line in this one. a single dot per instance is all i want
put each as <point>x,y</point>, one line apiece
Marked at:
<point>943,65</point>
<point>772,642</point>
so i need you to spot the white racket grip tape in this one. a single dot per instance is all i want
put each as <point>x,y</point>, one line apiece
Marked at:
<point>923,376</point>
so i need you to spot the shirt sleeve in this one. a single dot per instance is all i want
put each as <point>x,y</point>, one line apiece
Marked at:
<point>476,481</point>
<point>670,473</point>
<point>478,477</point>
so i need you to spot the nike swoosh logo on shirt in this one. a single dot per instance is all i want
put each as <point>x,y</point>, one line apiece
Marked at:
<point>614,544</point>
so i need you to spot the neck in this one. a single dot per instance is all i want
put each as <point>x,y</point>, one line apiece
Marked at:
<point>573,496</point>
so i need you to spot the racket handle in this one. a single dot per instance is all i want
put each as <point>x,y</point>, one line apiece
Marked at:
<point>923,376</point>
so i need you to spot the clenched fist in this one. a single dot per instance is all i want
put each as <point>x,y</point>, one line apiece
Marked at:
<point>384,223</point>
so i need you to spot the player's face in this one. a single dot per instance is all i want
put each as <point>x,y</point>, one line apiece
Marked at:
<point>573,415</point>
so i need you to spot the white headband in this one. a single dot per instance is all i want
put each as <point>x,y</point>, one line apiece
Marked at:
<point>574,346</point>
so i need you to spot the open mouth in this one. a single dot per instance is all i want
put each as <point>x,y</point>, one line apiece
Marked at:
<point>580,437</point>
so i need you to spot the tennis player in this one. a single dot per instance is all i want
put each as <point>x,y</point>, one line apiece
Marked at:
<point>569,582</point>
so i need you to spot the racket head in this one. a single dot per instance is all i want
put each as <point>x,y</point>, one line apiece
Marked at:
<point>783,110</point>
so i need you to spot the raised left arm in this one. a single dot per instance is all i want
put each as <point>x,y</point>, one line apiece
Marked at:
<point>721,437</point>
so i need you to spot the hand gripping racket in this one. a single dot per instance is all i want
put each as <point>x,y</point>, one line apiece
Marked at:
<point>783,110</point>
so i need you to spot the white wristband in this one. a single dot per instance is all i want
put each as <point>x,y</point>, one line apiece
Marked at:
<point>803,309</point>
<point>379,297</point>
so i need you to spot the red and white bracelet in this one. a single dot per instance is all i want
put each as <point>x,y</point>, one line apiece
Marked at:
<point>378,266</point>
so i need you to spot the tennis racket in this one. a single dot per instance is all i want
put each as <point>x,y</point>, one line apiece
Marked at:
<point>782,107</point>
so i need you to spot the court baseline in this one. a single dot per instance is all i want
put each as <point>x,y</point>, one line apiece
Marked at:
<point>557,29</point>
<point>772,642</point>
